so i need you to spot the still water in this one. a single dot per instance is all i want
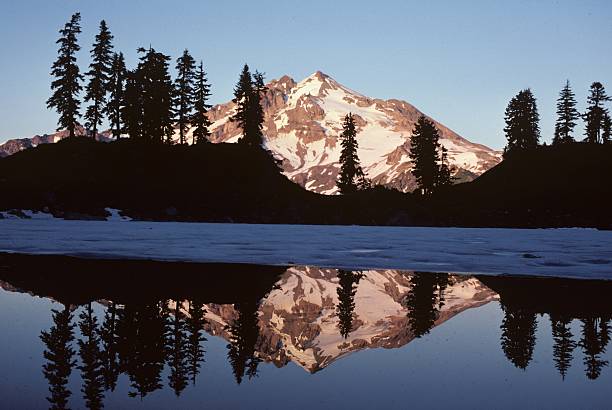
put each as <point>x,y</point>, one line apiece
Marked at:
<point>82,333</point>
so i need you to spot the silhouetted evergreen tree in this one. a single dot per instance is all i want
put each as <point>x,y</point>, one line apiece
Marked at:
<point>116,100</point>
<point>518,335</point>
<point>91,363</point>
<point>430,164</point>
<point>249,114</point>
<point>595,113</point>
<point>176,350</point>
<point>185,93</point>
<point>351,177</point>
<point>522,123</point>
<point>243,337</point>
<point>564,344</point>
<point>109,339</point>
<point>141,336</point>
<point>67,83</point>
<point>595,337</point>
<point>132,112</point>
<point>99,74</point>
<point>567,114</point>
<point>195,338</point>
<point>424,300</point>
<point>157,92</point>
<point>59,356</point>
<point>200,121</point>
<point>347,287</point>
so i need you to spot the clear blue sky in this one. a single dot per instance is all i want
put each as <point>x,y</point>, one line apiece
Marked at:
<point>458,61</point>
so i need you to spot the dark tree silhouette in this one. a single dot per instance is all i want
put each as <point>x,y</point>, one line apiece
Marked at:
<point>518,334</point>
<point>200,121</point>
<point>595,338</point>
<point>91,359</point>
<point>184,85</point>
<point>176,350</point>
<point>195,338</point>
<point>249,114</point>
<point>430,164</point>
<point>99,74</point>
<point>156,94</point>
<point>347,287</point>
<point>564,344</point>
<point>424,300</point>
<point>108,337</point>
<point>243,338</point>
<point>59,355</point>
<point>567,115</point>
<point>67,83</point>
<point>351,177</point>
<point>132,112</point>
<point>522,123</point>
<point>116,100</point>
<point>141,343</point>
<point>595,113</point>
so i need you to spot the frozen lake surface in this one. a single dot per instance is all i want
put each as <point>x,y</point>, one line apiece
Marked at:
<point>576,253</point>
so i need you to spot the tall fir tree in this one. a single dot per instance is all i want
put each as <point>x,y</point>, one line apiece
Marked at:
<point>91,359</point>
<point>199,120</point>
<point>132,109</point>
<point>116,100</point>
<point>242,94</point>
<point>99,74</point>
<point>351,177</point>
<point>248,96</point>
<point>345,309</point>
<point>567,114</point>
<point>596,113</point>
<point>157,96</point>
<point>430,160</point>
<point>67,83</point>
<point>184,93</point>
<point>606,124</point>
<point>522,123</point>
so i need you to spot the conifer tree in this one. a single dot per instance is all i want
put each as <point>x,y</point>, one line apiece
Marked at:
<point>347,288</point>
<point>430,164</point>
<point>91,359</point>
<point>242,94</point>
<point>200,120</point>
<point>184,90</point>
<point>351,177</point>
<point>99,74</point>
<point>596,113</point>
<point>249,115</point>
<point>132,110</point>
<point>567,114</point>
<point>67,83</point>
<point>156,90</point>
<point>116,101</point>
<point>522,128</point>
<point>564,344</point>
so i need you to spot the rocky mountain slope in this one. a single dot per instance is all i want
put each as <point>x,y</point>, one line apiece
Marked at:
<point>302,126</point>
<point>298,320</point>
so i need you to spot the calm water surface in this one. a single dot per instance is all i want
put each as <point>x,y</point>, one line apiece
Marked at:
<point>137,334</point>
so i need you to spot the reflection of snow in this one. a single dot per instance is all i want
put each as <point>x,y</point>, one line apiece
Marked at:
<point>582,253</point>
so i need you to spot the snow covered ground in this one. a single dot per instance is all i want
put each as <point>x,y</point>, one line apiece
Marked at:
<point>578,253</point>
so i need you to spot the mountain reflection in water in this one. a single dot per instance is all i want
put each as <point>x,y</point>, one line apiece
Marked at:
<point>149,321</point>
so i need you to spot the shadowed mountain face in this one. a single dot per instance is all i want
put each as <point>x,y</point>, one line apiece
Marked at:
<point>303,121</point>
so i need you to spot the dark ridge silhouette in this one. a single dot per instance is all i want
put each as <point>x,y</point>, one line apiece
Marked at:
<point>62,278</point>
<point>550,186</point>
<point>563,300</point>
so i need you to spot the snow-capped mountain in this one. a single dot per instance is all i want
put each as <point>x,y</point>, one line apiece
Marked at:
<point>303,122</point>
<point>298,320</point>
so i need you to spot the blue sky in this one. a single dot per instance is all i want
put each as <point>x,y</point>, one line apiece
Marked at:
<point>458,61</point>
